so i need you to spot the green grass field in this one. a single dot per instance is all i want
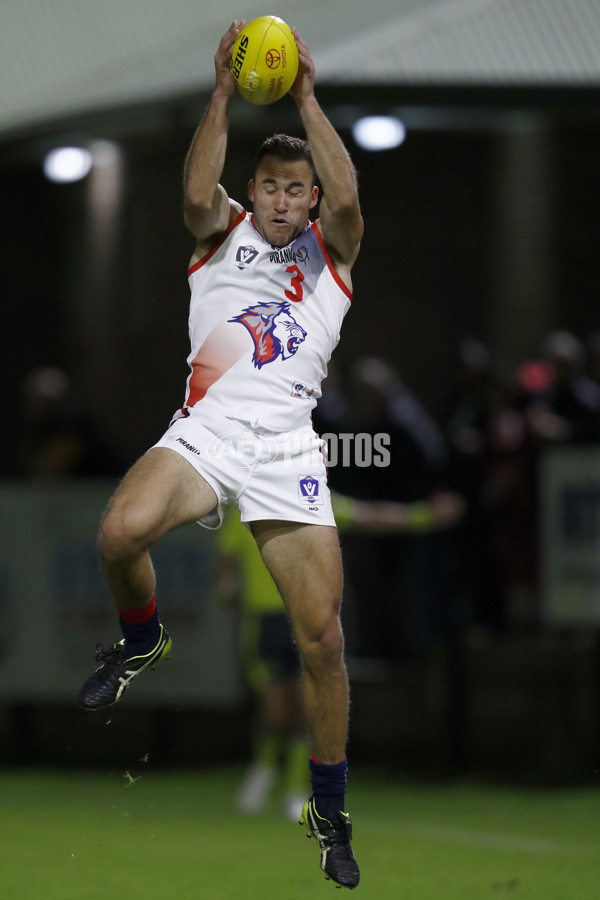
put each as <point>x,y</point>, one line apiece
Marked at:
<point>87,836</point>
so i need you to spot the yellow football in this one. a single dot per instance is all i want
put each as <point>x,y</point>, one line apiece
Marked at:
<point>264,60</point>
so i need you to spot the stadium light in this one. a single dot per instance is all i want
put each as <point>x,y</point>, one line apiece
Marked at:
<point>66,164</point>
<point>378,132</point>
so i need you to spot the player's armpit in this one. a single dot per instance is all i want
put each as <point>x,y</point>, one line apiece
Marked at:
<point>342,231</point>
<point>207,221</point>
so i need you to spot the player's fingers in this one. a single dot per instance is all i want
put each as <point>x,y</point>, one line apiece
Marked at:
<point>303,53</point>
<point>228,39</point>
<point>301,45</point>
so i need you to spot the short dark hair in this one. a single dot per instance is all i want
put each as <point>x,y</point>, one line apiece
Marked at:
<point>286,147</point>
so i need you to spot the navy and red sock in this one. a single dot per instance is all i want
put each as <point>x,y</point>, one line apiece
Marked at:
<point>329,787</point>
<point>140,628</point>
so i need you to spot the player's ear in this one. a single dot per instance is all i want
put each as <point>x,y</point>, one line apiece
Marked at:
<point>251,190</point>
<point>314,196</point>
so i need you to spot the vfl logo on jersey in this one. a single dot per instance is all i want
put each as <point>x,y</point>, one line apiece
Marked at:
<point>273,329</point>
<point>308,490</point>
<point>245,255</point>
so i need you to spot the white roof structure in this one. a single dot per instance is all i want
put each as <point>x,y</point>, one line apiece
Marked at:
<point>63,57</point>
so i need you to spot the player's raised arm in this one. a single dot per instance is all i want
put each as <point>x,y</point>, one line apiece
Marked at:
<point>340,219</point>
<point>207,209</point>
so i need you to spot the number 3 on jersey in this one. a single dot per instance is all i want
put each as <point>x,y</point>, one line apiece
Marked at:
<point>295,295</point>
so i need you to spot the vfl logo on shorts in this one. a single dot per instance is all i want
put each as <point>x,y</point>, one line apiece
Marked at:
<point>308,490</point>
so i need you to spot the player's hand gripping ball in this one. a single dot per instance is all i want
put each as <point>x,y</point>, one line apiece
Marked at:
<point>264,60</point>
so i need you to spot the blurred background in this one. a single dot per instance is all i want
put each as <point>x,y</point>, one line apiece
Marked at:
<point>473,341</point>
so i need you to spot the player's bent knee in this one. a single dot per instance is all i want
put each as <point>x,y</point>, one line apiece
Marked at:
<point>122,534</point>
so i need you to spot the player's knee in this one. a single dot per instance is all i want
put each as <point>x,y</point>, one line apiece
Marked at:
<point>122,534</point>
<point>323,648</point>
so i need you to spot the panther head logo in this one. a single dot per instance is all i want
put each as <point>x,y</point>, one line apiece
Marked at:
<point>274,331</point>
<point>302,254</point>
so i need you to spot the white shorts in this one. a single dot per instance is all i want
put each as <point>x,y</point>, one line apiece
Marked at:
<point>267,475</point>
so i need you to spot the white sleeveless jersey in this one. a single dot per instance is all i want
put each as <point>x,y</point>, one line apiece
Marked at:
<point>263,323</point>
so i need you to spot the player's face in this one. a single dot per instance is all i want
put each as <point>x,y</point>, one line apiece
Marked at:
<point>282,194</point>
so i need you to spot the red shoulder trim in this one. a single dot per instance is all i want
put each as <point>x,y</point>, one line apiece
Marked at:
<point>336,275</point>
<point>239,218</point>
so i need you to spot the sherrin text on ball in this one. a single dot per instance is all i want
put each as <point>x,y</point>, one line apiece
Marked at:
<point>264,60</point>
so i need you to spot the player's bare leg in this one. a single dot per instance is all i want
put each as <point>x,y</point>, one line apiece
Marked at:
<point>161,491</point>
<point>305,562</point>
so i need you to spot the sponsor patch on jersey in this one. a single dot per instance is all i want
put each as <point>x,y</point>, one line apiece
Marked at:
<point>309,490</point>
<point>290,255</point>
<point>305,391</point>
